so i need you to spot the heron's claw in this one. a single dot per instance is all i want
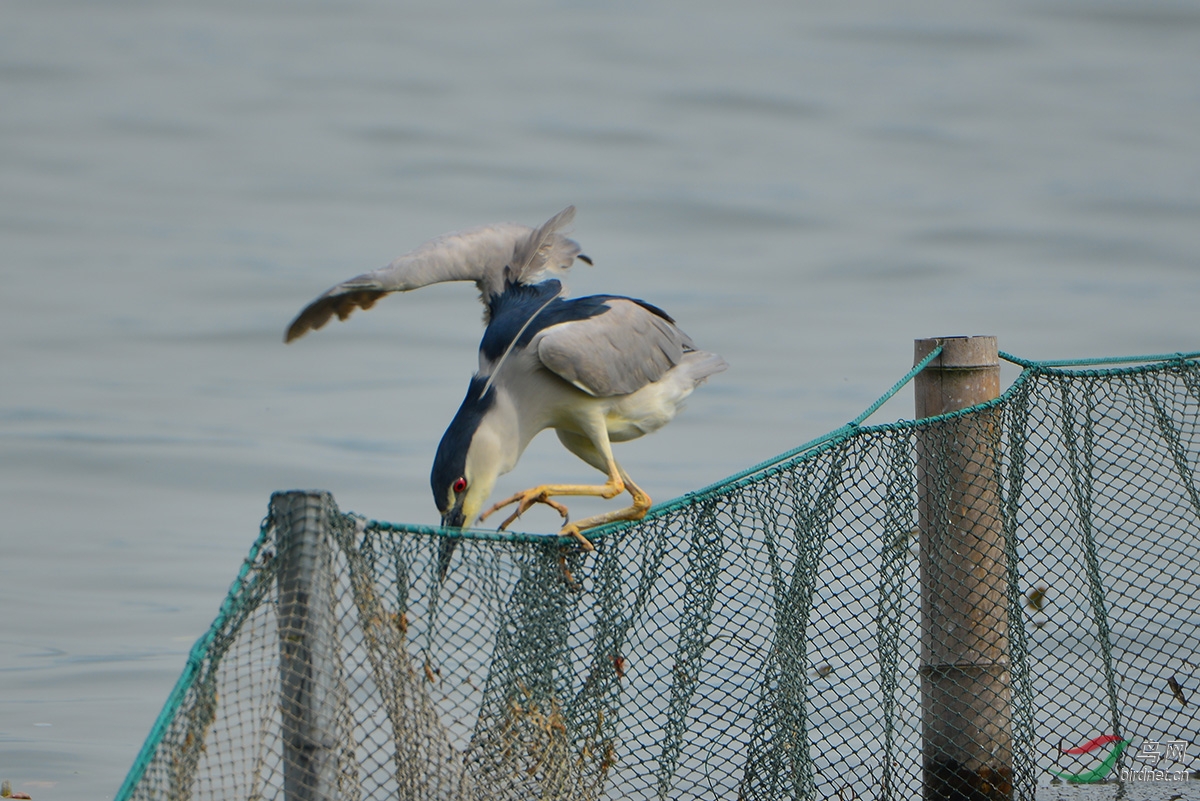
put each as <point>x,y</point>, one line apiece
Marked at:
<point>572,530</point>
<point>524,500</point>
<point>568,576</point>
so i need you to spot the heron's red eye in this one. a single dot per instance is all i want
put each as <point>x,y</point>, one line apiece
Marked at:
<point>460,484</point>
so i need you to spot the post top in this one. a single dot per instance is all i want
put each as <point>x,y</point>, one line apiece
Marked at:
<point>959,352</point>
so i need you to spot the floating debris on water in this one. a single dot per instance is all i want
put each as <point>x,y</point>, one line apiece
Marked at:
<point>6,791</point>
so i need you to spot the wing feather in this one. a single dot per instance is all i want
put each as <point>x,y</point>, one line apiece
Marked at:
<point>485,255</point>
<point>545,250</point>
<point>614,353</point>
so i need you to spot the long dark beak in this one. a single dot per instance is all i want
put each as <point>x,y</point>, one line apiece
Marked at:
<point>452,519</point>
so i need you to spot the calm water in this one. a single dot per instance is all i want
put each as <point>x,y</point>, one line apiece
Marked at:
<point>807,191</point>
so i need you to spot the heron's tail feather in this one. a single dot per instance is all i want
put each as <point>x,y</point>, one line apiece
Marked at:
<point>698,365</point>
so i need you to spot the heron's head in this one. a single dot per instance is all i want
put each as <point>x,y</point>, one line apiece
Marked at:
<point>469,459</point>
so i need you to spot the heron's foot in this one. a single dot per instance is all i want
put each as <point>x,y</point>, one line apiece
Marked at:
<point>524,500</point>
<point>641,505</point>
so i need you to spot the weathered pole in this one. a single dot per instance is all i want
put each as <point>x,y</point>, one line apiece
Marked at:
<point>307,664</point>
<point>965,676</point>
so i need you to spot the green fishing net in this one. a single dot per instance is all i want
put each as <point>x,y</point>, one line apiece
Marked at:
<point>759,639</point>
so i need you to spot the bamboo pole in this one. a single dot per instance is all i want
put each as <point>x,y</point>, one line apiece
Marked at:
<point>307,667</point>
<point>965,676</point>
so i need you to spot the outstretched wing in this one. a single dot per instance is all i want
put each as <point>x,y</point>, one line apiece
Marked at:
<point>619,351</point>
<point>488,255</point>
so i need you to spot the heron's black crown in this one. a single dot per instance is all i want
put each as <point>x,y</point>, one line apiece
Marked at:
<point>451,460</point>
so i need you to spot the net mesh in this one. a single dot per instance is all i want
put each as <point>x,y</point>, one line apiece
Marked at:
<point>761,639</point>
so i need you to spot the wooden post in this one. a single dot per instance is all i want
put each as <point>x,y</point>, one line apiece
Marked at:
<point>965,676</point>
<point>307,666</point>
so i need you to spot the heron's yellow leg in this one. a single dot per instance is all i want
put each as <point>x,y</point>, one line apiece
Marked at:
<point>542,494</point>
<point>641,504</point>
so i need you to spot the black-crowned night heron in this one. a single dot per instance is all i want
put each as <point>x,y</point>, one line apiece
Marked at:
<point>598,369</point>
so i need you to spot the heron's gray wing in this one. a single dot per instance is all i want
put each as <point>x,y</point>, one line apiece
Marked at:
<point>614,353</point>
<point>484,255</point>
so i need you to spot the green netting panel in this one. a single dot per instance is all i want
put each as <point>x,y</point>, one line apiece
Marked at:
<point>761,639</point>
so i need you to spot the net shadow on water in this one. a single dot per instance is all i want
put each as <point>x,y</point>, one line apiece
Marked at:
<point>758,639</point>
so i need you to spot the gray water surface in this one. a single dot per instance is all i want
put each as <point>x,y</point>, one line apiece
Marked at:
<point>805,189</point>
